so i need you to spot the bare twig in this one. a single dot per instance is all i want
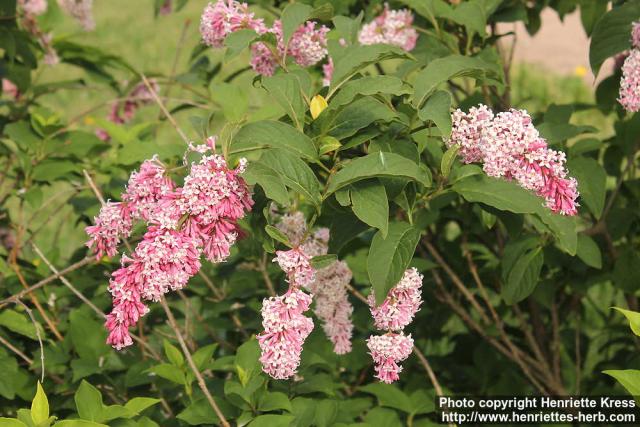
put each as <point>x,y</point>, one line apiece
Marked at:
<point>16,350</point>
<point>265,276</point>
<point>164,110</point>
<point>93,186</point>
<point>203,386</point>
<point>35,326</point>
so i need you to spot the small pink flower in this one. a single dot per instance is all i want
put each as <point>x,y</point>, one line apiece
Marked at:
<point>327,70</point>
<point>401,304</point>
<point>81,11</point>
<point>112,224</point>
<point>635,34</point>
<point>33,7</point>
<point>146,187</point>
<point>392,27</point>
<point>10,89</point>
<point>466,131</point>
<point>308,45</point>
<point>296,264</point>
<point>387,351</point>
<point>630,83</point>
<point>224,17</point>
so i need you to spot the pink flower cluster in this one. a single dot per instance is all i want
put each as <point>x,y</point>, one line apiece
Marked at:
<point>629,96</point>
<point>10,89</point>
<point>392,27</point>
<point>393,315</point>
<point>33,7</point>
<point>307,47</point>
<point>81,11</point>
<point>183,223</point>
<point>330,285</point>
<point>510,147</point>
<point>285,330</point>
<point>124,111</point>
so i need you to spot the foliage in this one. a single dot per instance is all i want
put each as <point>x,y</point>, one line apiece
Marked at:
<point>509,287</point>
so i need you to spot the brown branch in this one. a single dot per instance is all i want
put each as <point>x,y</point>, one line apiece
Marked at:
<point>172,323</point>
<point>14,349</point>
<point>164,109</point>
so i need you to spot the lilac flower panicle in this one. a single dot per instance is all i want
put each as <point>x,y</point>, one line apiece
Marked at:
<point>33,7</point>
<point>81,11</point>
<point>224,17</point>
<point>394,27</point>
<point>629,96</point>
<point>387,351</point>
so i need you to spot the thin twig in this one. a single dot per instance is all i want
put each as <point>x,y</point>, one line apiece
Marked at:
<point>93,187</point>
<point>164,109</point>
<point>265,276</point>
<point>15,350</point>
<point>35,325</point>
<point>203,386</point>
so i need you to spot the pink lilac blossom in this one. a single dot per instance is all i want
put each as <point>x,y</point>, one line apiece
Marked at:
<point>392,27</point>
<point>630,82</point>
<point>10,89</point>
<point>308,45</point>
<point>285,330</point>
<point>184,223</point>
<point>510,147</point>
<point>387,351</point>
<point>224,17</point>
<point>635,35</point>
<point>81,11</point>
<point>327,71</point>
<point>401,304</point>
<point>33,7</point>
<point>296,265</point>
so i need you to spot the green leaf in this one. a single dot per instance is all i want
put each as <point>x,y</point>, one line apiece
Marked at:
<point>589,252</point>
<point>472,15</point>
<point>19,323</point>
<point>11,422</point>
<point>329,144</point>
<point>523,277</point>
<point>390,396</point>
<point>169,372</point>
<point>89,402</point>
<point>626,270</point>
<point>198,413</point>
<point>321,261</point>
<point>508,196</point>
<point>326,412</point>
<point>368,85</point>
<point>271,420</point>
<point>629,378</point>
<point>447,160</point>
<point>294,173</point>
<point>273,134</point>
<point>203,356</point>
<point>39,406</point>
<point>633,317</point>
<point>139,404</point>
<point>356,116</point>
<point>380,164</point>
<point>278,235</point>
<point>438,110</point>
<point>611,33</point>
<point>79,423</point>
<point>50,170</point>
<point>590,13</point>
<point>287,92</point>
<point>173,353</point>
<point>592,180</point>
<point>272,401</point>
<point>238,41</point>
<point>247,361</point>
<point>369,203</point>
<point>389,257</point>
<point>442,69</point>
<point>356,57</point>
<point>269,180</point>
<point>233,111</point>
<point>292,17</point>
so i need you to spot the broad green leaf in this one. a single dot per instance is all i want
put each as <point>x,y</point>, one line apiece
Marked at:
<point>348,28</point>
<point>269,180</point>
<point>11,422</point>
<point>292,17</point>
<point>50,170</point>
<point>389,257</point>
<point>173,353</point>
<point>589,252</point>
<point>390,396</point>
<point>271,421</point>
<point>322,261</point>
<point>344,228</point>
<point>508,196</point>
<point>278,235</point>
<point>169,372</point>
<point>369,203</point>
<point>79,423</point>
<point>272,401</point>
<point>247,361</point>
<point>626,270</point>
<point>199,412</point>
<point>442,69</point>
<point>447,160</point>
<point>112,412</point>
<point>232,99</point>
<point>380,164</point>
<point>592,180</point>
<point>354,58</point>
<point>237,41</point>
<point>329,144</point>
<point>19,323</point>
<point>629,378</point>
<point>611,33</point>
<point>633,317</point>
<point>356,116</point>
<point>368,85</point>
<point>590,12</point>
<point>438,110</point>
<point>139,404</point>
<point>523,277</point>
<point>326,412</point>
<point>89,402</point>
<point>39,406</point>
<point>294,173</point>
<point>287,92</point>
<point>203,355</point>
<point>472,15</point>
<point>273,134</point>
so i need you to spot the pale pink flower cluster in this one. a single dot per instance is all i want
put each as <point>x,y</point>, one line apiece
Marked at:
<point>510,147</point>
<point>327,71</point>
<point>393,315</point>
<point>224,17</point>
<point>387,351</point>
<point>330,285</point>
<point>183,223</point>
<point>297,266</point>
<point>33,7</point>
<point>81,11</point>
<point>124,111</point>
<point>629,96</point>
<point>10,89</point>
<point>392,27</point>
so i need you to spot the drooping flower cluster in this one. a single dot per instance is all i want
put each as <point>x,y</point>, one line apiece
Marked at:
<point>510,147</point>
<point>629,96</point>
<point>81,11</point>
<point>124,111</point>
<point>183,223</point>
<point>392,27</point>
<point>330,285</point>
<point>33,7</point>
<point>307,47</point>
<point>393,315</point>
